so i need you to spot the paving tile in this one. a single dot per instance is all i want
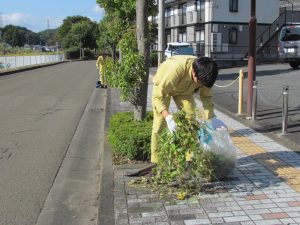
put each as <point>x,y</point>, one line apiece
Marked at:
<point>197,222</point>
<point>191,211</point>
<point>248,223</point>
<point>267,222</point>
<point>217,220</point>
<point>157,223</point>
<point>281,215</point>
<point>142,220</point>
<point>181,217</point>
<point>256,197</point>
<point>177,223</point>
<point>161,219</point>
<point>236,218</point>
<point>287,221</point>
<point>153,214</point>
<point>201,216</point>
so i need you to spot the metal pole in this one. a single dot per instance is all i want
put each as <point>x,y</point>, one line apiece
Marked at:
<point>161,31</point>
<point>241,81</point>
<point>254,103</point>
<point>57,51</point>
<point>251,56</point>
<point>285,107</point>
<point>80,57</point>
<point>292,12</point>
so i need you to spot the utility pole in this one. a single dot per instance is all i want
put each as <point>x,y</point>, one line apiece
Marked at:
<point>251,57</point>
<point>161,31</point>
<point>0,26</point>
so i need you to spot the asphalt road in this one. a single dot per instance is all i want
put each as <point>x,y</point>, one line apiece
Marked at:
<point>40,110</point>
<point>271,80</point>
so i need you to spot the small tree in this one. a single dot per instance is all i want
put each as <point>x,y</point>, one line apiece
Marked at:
<point>143,49</point>
<point>131,74</point>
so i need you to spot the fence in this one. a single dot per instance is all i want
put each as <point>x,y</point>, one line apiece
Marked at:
<point>14,62</point>
<point>279,99</point>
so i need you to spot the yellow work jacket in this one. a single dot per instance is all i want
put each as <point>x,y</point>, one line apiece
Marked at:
<point>100,63</point>
<point>174,78</point>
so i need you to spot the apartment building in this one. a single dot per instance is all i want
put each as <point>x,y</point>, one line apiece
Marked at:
<point>216,28</point>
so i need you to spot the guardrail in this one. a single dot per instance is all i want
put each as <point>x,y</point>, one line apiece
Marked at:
<point>14,62</point>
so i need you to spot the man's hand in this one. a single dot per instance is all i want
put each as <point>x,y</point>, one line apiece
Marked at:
<point>171,123</point>
<point>218,124</point>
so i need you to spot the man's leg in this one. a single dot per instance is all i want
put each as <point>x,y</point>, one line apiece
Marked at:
<point>102,80</point>
<point>159,124</point>
<point>188,105</point>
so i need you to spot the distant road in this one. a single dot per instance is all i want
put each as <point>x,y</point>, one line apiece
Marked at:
<point>39,112</point>
<point>271,80</point>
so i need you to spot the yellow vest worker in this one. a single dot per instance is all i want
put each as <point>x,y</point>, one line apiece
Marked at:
<point>179,77</point>
<point>99,64</point>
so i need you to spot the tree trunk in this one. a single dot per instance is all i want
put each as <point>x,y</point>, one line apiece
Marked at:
<point>143,47</point>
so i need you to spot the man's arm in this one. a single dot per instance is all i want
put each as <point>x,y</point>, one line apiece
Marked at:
<point>206,96</point>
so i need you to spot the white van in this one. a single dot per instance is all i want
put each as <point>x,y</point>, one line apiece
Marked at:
<point>289,44</point>
<point>178,48</point>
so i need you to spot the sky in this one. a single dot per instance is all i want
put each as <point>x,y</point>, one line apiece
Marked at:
<point>39,15</point>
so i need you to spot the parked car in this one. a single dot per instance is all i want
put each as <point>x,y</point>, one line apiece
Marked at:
<point>178,48</point>
<point>289,44</point>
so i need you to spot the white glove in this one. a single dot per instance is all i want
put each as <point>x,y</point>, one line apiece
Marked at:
<point>171,123</point>
<point>218,124</point>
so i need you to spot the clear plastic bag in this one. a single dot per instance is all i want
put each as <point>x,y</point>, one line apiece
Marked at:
<point>220,144</point>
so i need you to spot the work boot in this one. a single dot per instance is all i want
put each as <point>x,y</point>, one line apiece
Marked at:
<point>98,84</point>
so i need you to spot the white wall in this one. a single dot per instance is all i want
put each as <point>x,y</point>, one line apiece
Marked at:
<point>266,11</point>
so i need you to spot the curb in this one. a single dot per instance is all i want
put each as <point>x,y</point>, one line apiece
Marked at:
<point>74,196</point>
<point>106,195</point>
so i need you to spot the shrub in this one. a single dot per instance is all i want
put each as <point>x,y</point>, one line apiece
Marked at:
<point>88,54</point>
<point>153,58</point>
<point>172,151</point>
<point>130,138</point>
<point>72,53</point>
<point>206,165</point>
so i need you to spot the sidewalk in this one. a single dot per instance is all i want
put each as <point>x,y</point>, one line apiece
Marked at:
<point>263,189</point>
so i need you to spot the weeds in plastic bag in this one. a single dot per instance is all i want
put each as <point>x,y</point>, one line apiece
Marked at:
<point>192,156</point>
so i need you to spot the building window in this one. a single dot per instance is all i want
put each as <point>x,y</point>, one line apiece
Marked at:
<point>233,33</point>
<point>167,16</point>
<point>200,4</point>
<point>182,37</point>
<point>182,8</point>
<point>182,12</point>
<point>233,5</point>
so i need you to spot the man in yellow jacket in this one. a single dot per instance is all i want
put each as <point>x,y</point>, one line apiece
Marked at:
<point>99,64</point>
<point>179,77</point>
